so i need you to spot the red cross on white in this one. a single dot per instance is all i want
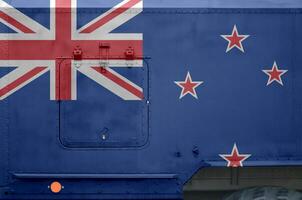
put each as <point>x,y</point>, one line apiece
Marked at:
<point>274,74</point>
<point>188,86</point>
<point>35,50</point>
<point>235,159</point>
<point>235,40</point>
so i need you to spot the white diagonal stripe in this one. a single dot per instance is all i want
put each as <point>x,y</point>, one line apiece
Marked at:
<point>108,84</point>
<point>20,17</point>
<point>14,75</point>
<point>103,32</point>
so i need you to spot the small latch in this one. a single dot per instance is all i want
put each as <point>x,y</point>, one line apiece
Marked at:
<point>77,53</point>
<point>129,53</point>
<point>104,45</point>
<point>104,54</point>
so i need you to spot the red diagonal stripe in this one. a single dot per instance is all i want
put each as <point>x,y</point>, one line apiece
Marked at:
<point>120,82</point>
<point>15,23</point>
<point>21,80</point>
<point>110,16</point>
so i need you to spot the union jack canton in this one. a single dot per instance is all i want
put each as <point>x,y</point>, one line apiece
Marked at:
<point>63,50</point>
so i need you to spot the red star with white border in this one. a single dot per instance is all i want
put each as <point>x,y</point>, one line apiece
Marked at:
<point>235,40</point>
<point>274,74</point>
<point>235,159</point>
<point>188,86</point>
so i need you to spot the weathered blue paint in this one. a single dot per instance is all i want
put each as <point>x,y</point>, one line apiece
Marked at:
<point>149,147</point>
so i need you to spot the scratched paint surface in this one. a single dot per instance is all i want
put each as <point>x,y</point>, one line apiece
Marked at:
<point>155,126</point>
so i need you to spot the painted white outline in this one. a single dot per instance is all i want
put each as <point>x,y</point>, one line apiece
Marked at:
<point>235,152</point>
<point>268,71</point>
<point>188,79</point>
<point>229,47</point>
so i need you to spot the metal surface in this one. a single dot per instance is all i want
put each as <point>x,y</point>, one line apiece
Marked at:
<point>156,133</point>
<point>95,176</point>
<point>180,4</point>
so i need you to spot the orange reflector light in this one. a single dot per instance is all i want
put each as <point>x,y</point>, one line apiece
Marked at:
<point>56,187</point>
